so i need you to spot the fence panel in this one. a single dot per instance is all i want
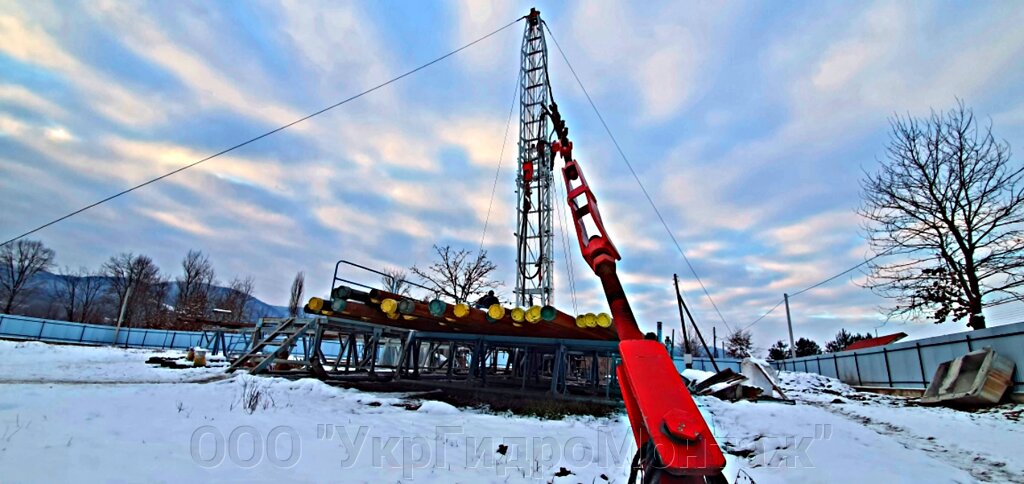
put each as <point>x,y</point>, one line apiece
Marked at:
<point>905,368</point>
<point>911,365</point>
<point>23,327</point>
<point>872,367</point>
<point>20,327</point>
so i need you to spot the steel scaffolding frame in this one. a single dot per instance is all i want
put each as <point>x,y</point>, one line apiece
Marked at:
<point>534,234</point>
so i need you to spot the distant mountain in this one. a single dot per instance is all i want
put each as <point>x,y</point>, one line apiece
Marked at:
<point>45,299</point>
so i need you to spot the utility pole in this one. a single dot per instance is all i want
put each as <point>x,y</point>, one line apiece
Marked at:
<point>714,337</point>
<point>789,321</point>
<point>687,354</point>
<point>679,297</point>
<point>672,347</point>
<point>124,308</point>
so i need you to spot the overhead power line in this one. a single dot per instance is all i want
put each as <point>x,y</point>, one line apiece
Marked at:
<point>841,274</point>
<point>497,172</point>
<point>629,165</point>
<point>264,135</point>
<point>823,282</point>
<point>776,306</point>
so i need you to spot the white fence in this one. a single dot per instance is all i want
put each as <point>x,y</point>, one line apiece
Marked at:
<point>23,327</point>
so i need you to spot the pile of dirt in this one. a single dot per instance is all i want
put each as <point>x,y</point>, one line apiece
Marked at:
<point>181,363</point>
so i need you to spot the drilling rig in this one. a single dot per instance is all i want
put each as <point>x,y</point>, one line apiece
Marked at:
<point>534,179</point>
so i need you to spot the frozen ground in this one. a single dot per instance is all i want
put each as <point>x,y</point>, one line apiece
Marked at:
<point>101,415</point>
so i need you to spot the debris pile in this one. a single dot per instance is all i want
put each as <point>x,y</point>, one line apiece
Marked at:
<point>756,381</point>
<point>979,378</point>
<point>183,361</point>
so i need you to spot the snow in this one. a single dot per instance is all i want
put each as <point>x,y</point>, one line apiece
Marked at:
<point>35,362</point>
<point>987,442</point>
<point>101,414</point>
<point>697,376</point>
<point>438,408</point>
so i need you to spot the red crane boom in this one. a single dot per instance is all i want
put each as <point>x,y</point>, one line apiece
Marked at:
<point>674,442</point>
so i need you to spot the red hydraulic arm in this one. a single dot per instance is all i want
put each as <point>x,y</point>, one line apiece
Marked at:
<point>674,442</point>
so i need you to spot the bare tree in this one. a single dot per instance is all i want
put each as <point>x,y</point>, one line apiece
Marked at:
<point>65,287</point>
<point>90,296</point>
<point>143,276</point>
<point>457,274</point>
<point>295,301</point>
<point>237,298</point>
<point>950,203</point>
<point>395,281</point>
<point>696,349</point>
<point>20,261</point>
<point>78,293</point>
<point>154,311</point>
<point>739,344</point>
<point>194,286</point>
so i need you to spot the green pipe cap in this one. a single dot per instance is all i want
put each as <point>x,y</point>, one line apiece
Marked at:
<point>548,313</point>
<point>437,307</point>
<point>341,292</point>
<point>406,306</point>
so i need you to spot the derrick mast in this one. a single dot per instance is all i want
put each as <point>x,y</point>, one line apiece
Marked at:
<point>534,235</point>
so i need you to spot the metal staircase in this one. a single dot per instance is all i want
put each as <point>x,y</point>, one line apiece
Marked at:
<point>268,350</point>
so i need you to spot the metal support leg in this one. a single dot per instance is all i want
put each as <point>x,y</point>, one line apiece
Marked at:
<point>352,350</point>
<point>403,353</point>
<point>451,359</point>
<point>558,370</point>
<point>416,360</point>
<point>341,352</point>
<point>526,367</point>
<point>375,343</point>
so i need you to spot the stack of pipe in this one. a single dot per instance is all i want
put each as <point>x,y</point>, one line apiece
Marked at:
<point>382,307</point>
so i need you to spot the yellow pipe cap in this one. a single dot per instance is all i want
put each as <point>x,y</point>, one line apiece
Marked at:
<point>496,311</point>
<point>533,314</point>
<point>389,305</point>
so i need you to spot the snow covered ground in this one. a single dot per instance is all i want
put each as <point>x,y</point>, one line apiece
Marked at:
<point>104,415</point>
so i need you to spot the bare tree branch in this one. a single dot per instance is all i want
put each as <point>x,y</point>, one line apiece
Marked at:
<point>395,280</point>
<point>949,203</point>
<point>194,286</point>
<point>237,297</point>
<point>457,275</point>
<point>146,305</point>
<point>295,300</point>
<point>19,263</point>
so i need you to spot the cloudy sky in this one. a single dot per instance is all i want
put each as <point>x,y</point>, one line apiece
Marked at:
<point>749,123</point>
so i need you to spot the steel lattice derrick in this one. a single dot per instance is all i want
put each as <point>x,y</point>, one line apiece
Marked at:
<point>534,231</point>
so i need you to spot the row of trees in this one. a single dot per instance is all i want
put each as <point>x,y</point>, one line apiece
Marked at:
<point>135,283</point>
<point>807,346</point>
<point>739,344</point>
<point>126,282</point>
